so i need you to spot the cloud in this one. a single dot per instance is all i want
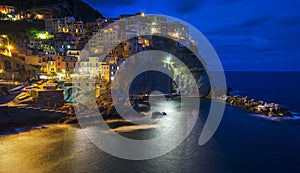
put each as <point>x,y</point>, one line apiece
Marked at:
<point>110,3</point>
<point>256,21</point>
<point>186,6</point>
<point>231,30</point>
<point>261,44</point>
<point>289,20</point>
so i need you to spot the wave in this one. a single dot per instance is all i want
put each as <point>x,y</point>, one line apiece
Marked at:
<point>278,119</point>
<point>117,121</point>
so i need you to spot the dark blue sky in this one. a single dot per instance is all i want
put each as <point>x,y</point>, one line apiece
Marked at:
<point>247,34</point>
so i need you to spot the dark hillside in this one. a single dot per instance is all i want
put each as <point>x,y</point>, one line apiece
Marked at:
<point>61,8</point>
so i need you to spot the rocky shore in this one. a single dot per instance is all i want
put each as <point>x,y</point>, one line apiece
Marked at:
<point>19,114</point>
<point>259,107</point>
<point>23,111</point>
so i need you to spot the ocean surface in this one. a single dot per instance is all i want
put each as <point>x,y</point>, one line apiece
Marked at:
<point>244,142</point>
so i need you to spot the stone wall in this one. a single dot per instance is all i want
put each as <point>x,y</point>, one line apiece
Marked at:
<point>14,69</point>
<point>48,98</point>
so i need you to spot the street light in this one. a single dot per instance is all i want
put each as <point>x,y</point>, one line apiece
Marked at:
<point>10,47</point>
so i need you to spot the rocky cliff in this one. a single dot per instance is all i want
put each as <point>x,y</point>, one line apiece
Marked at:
<point>182,64</point>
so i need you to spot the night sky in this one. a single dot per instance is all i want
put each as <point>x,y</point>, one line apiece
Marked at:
<point>251,35</point>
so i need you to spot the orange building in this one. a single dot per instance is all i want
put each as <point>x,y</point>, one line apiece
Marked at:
<point>5,9</point>
<point>65,65</point>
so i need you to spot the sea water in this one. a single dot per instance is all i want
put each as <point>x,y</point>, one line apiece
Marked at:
<point>243,142</point>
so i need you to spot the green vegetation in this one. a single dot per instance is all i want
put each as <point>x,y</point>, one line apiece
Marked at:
<point>18,30</point>
<point>42,35</point>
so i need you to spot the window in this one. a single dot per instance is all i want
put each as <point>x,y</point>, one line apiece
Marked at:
<point>7,65</point>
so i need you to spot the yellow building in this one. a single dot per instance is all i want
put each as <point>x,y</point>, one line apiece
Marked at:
<point>104,71</point>
<point>51,65</point>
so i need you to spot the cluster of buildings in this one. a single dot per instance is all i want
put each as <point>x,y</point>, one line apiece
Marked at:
<point>58,51</point>
<point>8,12</point>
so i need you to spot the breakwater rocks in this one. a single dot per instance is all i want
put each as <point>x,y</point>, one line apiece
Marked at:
<point>259,107</point>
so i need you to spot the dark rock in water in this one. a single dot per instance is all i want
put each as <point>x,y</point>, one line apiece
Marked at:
<point>270,114</point>
<point>158,114</point>
<point>280,114</point>
<point>252,109</point>
<point>286,112</point>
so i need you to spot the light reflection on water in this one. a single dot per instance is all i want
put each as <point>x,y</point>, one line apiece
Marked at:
<point>65,148</point>
<point>242,143</point>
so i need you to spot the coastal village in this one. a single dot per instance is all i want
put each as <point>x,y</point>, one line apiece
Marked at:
<point>55,52</point>
<point>135,86</point>
<point>44,64</point>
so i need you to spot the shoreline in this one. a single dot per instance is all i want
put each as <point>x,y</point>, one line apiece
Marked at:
<point>22,117</point>
<point>14,116</point>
